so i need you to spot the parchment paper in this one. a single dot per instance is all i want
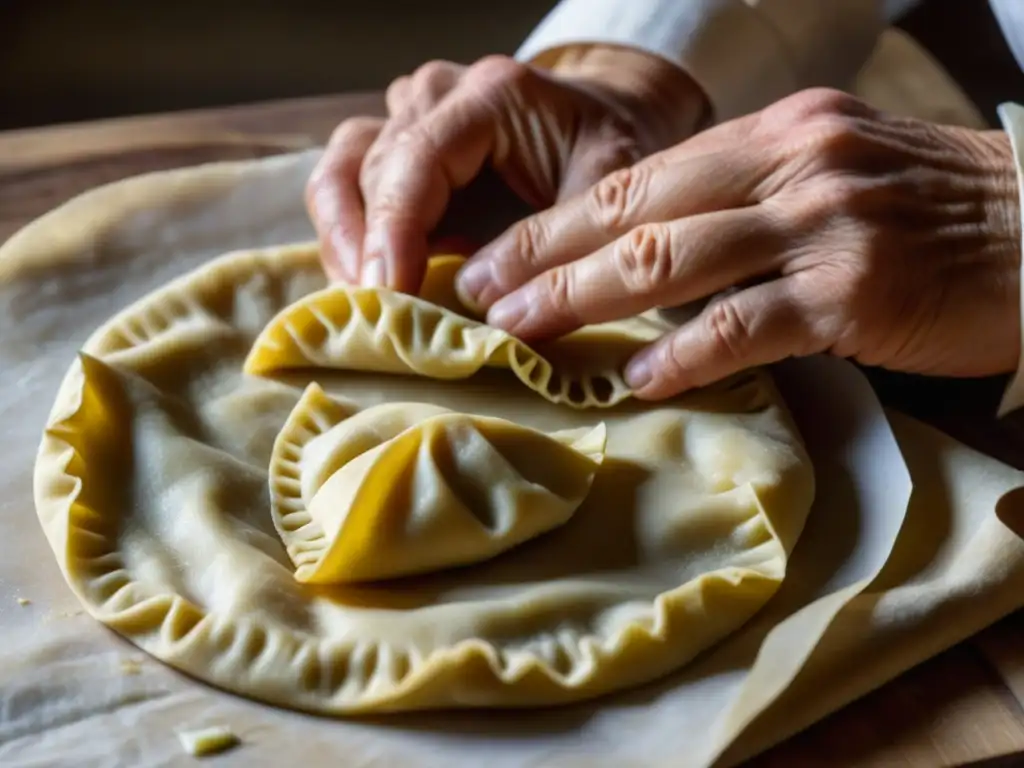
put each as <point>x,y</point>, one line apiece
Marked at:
<point>876,585</point>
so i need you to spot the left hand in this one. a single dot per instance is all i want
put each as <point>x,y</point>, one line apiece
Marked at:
<point>888,240</point>
<point>382,187</point>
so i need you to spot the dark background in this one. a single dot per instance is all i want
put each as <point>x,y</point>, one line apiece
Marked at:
<point>70,60</point>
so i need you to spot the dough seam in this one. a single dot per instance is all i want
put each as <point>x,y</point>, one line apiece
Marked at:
<point>324,675</point>
<point>341,311</point>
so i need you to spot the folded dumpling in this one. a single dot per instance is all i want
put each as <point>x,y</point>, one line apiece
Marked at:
<point>367,329</point>
<point>634,555</point>
<point>408,488</point>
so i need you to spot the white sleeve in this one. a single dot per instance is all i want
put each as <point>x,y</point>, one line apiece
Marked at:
<point>745,54</point>
<point>1012,118</point>
<point>1010,17</point>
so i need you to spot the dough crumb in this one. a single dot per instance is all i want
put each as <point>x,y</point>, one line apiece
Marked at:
<point>23,601</point>
<point>131,667</point>
<point>207,741</point>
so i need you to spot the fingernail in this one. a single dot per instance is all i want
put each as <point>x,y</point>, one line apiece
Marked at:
<point>508,312</point>
<point>638,372</point>
<point>374,273</point>
<point>471,282</point>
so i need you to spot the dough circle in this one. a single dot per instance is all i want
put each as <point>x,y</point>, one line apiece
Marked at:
<point>153,485</point>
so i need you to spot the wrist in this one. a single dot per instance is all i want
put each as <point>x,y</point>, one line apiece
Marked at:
<point>657,93</point>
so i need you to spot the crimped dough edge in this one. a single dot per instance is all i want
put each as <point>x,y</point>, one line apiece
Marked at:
<point>302,671</point>
<point>315,414</point>
<point>416,330</point>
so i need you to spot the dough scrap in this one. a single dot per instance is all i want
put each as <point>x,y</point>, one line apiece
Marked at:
<point>210,740</point>
<point>405,488</point>
<point>152,486</point>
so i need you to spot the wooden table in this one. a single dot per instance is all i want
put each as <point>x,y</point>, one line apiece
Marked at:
<point>962,706</point>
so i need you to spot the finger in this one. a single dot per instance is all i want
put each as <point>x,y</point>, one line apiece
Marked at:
<point>410,99</point>
<point>433,81</point>
<point>757,326</point>
<point>414,96</point>
<point>333,198</point>
<point>421,91</point>
<point>655,265</point>
<point>666,186</point>
<point>408,189</point>
<point>398,95</point>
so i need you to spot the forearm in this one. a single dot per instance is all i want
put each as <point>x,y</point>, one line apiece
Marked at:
<point>743,54</point>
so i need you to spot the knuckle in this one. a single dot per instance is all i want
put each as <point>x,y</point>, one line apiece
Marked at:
<point>833,134</point>
<point>614,200</point>
<point>433,71</point>
<point>828,144</point>
<point>557,285</point>
<point>353,128</point>
<point>644,259</point>
<point>728,329</point>
<point>821,101</point>
<point>528,241</point>
<point>812,103</point>
<point>825,101</point>
<point>499,70</point>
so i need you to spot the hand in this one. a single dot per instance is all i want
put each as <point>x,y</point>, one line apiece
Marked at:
<point>383,185</point>
<point>891,241</point>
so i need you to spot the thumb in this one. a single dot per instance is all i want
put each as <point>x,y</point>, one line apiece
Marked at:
<point>756,326</point>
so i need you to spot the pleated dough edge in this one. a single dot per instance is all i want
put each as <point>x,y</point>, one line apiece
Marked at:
<point>339,313</point>
<point>195,641</point>
<point>184,636</point>
<point>316,413</point>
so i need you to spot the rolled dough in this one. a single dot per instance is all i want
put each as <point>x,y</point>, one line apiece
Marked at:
<point>624,539</point>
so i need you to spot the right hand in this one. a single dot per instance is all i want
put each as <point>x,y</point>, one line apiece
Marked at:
<point>383,185</point>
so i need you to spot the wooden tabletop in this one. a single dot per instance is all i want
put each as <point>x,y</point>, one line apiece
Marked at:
<point>962,706</point>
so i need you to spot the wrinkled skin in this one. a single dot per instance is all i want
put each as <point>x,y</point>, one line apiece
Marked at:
<point>816,225</point>
<point>887,240</point>
<point>383,185</point>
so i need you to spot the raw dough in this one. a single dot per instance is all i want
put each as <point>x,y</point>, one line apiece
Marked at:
<point>408,488</point>
<point>337,328</point>
<point>207,741</point>
<point>152,486</point>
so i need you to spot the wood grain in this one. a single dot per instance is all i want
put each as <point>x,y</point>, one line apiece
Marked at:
<point>951,710</point>
<point>961,706</point>
<point>41,168</point>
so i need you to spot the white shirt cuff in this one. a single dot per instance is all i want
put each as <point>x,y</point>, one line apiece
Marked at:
<point>1012,118</point>
<point>744,54</point>
<point>730,51</point>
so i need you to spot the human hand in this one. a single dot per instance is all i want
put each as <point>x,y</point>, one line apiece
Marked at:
<point>383,185</point>
<point>887,240</point>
